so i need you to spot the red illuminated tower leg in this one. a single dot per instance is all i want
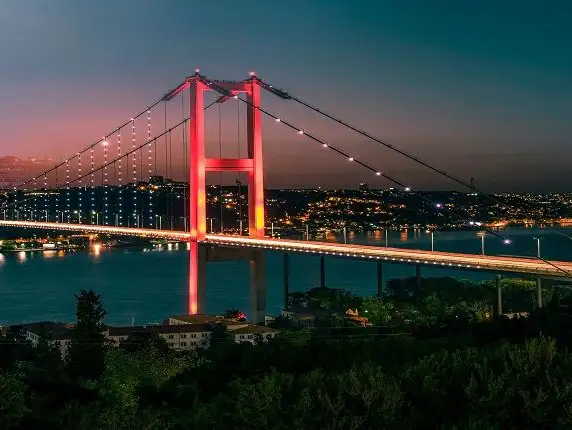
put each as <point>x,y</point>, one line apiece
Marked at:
<point>256,174</point>
<point>197,278</point>
<point>197,196</point>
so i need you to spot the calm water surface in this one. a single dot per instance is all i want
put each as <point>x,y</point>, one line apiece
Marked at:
<point>149,285</point>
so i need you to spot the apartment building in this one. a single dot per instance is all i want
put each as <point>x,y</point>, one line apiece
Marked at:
<point>240,331</point>
<point>181,332</point>
<point>55,333</point>
<point>252,332</point>
<point>183,337</point>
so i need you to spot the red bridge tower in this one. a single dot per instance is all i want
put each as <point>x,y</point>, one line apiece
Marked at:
<point>199,165</point>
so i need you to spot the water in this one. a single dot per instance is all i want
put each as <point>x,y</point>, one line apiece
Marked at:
<point>150,285</point>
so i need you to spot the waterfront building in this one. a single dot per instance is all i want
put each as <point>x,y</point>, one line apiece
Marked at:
<point>181,337</point>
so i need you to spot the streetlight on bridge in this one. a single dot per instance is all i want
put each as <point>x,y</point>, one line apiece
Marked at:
<point>159,220</point>
<point>482,235</point>
<point>432,241</point>
<point>537,246</point>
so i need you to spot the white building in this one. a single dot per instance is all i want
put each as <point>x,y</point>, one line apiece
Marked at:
<point>184,337</point>
<point>250,332</point>
<point>182,333</point>
<point>55,333</point>
<point>240,331</point>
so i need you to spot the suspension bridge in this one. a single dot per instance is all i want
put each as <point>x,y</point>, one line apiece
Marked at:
<point>113,186</point>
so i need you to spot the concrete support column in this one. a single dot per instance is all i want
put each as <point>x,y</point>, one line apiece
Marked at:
<point>539,292</point>
<point>286,270</point>
<point>379,279</point>
<point>322,272</point>
<point>257,287</point>
<point>418,281</point>
<point>499,295</point>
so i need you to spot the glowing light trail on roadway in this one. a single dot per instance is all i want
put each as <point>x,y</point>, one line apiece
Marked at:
<point>363,252</point>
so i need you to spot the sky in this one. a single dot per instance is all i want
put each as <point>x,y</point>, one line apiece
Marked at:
<point>481,89</point>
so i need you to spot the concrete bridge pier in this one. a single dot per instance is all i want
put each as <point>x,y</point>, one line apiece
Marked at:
<point>322,272</point>
<point>418,281</point>
<point>201,254</point>
<point>498,280</point>
<point>379,279</point>
<point>539,292</point>
<point>286,272</point>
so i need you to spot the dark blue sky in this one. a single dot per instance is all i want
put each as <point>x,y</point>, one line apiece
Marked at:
<point>480,88</point>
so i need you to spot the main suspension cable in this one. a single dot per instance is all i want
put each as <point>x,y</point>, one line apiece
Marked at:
<point>324,144</point>
<point>288,96</point>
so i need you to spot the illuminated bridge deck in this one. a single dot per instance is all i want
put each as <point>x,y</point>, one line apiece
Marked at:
<point>363,252</point>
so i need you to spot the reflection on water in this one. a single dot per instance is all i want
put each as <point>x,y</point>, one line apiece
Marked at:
<point>150,285</point>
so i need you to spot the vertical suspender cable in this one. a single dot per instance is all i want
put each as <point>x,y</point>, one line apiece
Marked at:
<point>185,163</point>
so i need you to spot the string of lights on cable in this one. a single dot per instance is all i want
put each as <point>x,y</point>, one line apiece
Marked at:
<point>150,168</point>
<point>68,205</point>
<point>124,155</point>
<point>120,180</point>
<point>67,186</point>
<point>45,192</point>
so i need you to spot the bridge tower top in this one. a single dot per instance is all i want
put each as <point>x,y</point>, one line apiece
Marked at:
<point>199,164</point>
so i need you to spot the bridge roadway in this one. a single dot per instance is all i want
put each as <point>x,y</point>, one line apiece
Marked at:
<point>362,252</point>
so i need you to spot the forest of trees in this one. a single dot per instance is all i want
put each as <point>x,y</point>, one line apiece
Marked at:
<point>454,370</point>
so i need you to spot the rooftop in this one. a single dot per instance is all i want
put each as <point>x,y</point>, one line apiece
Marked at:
<point>48,329</point>
<point>198,319</point>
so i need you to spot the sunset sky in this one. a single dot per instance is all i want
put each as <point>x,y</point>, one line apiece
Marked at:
<point>481,88</point>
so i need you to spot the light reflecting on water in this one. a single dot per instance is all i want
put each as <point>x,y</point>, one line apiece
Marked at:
<point>150,284</point>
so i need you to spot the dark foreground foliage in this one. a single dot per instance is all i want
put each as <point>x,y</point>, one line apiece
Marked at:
<point>505,374</point>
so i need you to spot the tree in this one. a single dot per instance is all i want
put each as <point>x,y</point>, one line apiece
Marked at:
<point>86,352</point>
<point>12,400</point>
<point>377,311</point>
<point>143,339</point>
